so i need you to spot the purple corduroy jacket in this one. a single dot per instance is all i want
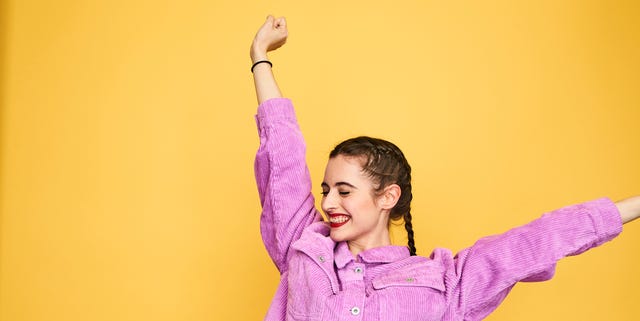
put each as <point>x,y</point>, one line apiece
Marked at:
<point>321,280</point>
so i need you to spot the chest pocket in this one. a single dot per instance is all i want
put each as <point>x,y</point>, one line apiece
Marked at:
<point>412,294</point>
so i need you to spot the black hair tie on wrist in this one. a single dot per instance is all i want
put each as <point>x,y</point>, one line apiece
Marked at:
<point>259,62</point>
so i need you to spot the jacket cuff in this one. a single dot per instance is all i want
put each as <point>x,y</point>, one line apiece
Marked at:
<point>274,109</point>
<point>606,219</point>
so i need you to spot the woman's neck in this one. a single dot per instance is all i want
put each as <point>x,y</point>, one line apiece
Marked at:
<point>367,243</point>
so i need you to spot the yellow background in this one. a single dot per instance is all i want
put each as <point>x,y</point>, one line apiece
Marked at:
<point>127,142</point>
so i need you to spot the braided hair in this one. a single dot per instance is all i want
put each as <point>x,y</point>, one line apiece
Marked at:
<point>385,163</point>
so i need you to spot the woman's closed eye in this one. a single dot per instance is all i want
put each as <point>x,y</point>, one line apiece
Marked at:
<point>325,193</point>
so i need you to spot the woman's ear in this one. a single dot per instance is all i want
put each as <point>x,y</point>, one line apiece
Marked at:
<point>390,196</point>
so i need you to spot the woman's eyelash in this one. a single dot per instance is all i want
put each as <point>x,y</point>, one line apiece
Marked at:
<point>327,193</point>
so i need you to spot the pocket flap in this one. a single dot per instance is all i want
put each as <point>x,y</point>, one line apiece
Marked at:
<point>422,276</point>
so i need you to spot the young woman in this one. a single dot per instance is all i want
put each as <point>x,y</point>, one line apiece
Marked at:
<point>347,269</point>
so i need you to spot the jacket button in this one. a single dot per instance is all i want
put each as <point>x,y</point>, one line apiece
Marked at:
<point>321,258</point>
<point>358,270</point>
<point>355,310</point>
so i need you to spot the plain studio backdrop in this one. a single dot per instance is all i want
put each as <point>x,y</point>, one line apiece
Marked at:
<point>127,142</point>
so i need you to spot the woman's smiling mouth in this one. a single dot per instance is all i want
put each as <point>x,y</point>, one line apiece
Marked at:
<point>337,220</point>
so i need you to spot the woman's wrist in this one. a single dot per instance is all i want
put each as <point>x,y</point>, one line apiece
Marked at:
<point>629,208</point>
<point>258,54</point>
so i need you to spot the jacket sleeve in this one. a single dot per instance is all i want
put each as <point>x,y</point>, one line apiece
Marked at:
<point>283,180</point>
<point>488,270</point>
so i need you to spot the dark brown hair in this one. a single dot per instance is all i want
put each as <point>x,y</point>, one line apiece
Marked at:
<point>385,163</point>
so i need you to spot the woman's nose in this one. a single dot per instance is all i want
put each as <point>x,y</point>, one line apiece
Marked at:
<point>328,203</point>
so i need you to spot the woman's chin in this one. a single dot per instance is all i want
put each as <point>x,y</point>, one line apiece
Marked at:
<point>336,236</point>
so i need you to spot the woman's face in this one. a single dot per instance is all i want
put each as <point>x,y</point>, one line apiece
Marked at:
<point>350,203</point>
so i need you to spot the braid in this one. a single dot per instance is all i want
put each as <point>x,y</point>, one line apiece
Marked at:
<point>409,227</point>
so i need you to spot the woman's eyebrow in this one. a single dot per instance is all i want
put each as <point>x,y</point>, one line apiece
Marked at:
<point>324,184</point>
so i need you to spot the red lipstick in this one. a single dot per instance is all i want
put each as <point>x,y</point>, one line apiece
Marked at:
<point>337,219</point>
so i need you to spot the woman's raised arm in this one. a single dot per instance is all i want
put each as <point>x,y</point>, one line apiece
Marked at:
<point>282,176</point>
<point>272,35</point>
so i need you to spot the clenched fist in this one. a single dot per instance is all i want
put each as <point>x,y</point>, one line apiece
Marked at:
<point>271,36</point>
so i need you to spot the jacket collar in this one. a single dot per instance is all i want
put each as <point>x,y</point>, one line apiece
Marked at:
<point>316,242</point>
<point>378,255</point>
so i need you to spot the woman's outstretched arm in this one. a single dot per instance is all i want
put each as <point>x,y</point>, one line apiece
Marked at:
<point>272,35</point>
<point>629,209</point>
